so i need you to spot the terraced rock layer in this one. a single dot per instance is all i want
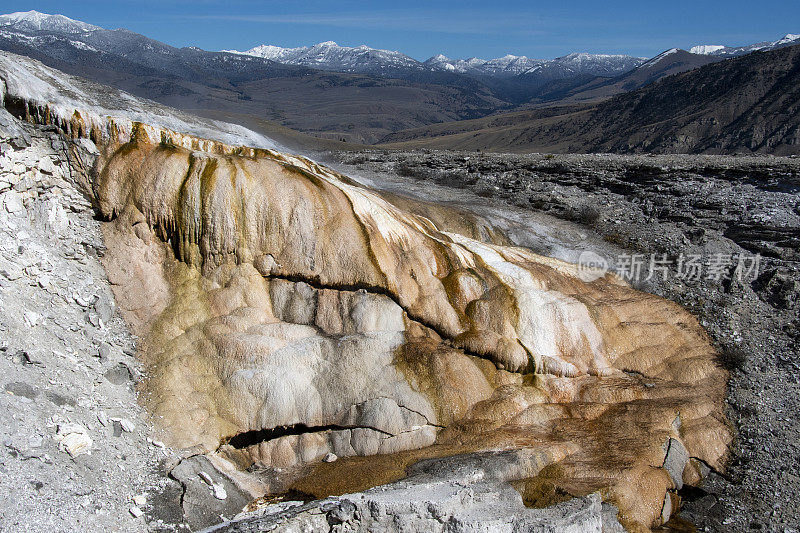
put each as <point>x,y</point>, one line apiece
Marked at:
<point>275,293</point>
<point>288,313</point>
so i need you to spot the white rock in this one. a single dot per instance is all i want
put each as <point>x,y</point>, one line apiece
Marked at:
<point>127,425</point>
<point>330,457</point>
<point>140,500</point>
<point>73,439</point>
<point>88,145</point>
<point>217,488</point>
<point>135,512</point>
<point>12,273</point>
<point>12,201</point>
<point>83,302</point>
<point>219,491</point>
<point>46,165</point>
<point>32,318</point>
<point>45,283</point>
<point>57,218</point>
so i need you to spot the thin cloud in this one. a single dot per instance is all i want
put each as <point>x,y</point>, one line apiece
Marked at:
<point>445,22</point>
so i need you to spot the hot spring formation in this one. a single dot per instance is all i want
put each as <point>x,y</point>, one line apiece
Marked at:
<point>288,313</point>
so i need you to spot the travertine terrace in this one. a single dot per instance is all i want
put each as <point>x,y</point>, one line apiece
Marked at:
<point>288,313</point>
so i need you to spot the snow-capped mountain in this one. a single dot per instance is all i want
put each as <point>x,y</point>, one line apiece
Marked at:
<point>587,64</point>
<point>705,49</point>
<point>663,55</point>
<point>85,46</point>
<point>35,21</point>
<point>43,31</point>
<point>732,51</point>
<point>151,68</point>
<point>508,65</point>
<point>672,61</point>
<point>331,56</point>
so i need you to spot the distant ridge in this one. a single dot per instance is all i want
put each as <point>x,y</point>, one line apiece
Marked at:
<point>735,51</point>
<point>331,56</point>
<point>748,104</point>
<point>362,95</point>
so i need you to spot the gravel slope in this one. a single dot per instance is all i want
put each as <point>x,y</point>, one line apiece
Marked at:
<point>75,451</point>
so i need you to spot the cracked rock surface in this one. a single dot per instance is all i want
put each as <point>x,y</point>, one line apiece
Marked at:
<point>365,328</point>
<point>673,205</point>
<point>302,333</point>
<point>462,493</point>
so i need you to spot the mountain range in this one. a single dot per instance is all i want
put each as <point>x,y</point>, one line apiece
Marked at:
<point>337,105</point>
<point>747,104</point>
<point>331,56</point>
<point>719,50</point>
<point>359,95</point>
<point>363,59</point>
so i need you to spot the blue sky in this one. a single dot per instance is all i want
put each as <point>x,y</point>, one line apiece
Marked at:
<point>462,28</point>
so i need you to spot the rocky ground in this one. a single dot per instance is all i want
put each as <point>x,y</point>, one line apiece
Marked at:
<point>738,219</point>
<point>75,451</point>
<point>463,493</point>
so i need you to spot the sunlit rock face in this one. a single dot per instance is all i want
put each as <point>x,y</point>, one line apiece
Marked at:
<point>272,292</point>
<point>287,313</point>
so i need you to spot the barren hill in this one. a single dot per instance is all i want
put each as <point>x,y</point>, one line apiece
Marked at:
<point>746,104</point>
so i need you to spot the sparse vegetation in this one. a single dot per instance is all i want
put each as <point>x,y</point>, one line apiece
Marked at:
<point>587,214</point>
<point>733,357</point>
<point>410,171</point>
